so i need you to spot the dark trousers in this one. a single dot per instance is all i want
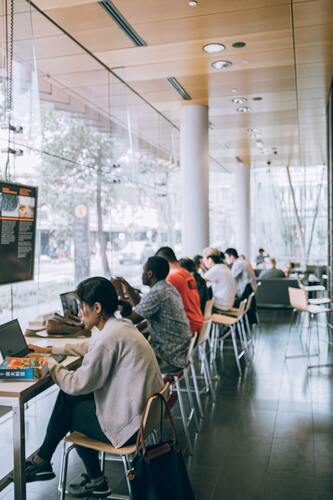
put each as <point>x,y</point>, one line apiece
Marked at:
<point>252,313</point>
<point>74,413</point>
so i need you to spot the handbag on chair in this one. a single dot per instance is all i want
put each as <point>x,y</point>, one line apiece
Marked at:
<point>158,471</point>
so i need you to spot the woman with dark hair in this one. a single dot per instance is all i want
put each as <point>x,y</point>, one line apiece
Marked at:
<point>203,290</point>
<point>199,264</point>
<point>99,398</point>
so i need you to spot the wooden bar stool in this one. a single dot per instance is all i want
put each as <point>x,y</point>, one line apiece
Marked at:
<point>230,322</point>
<point>299,300</point>
<point>175,380</point>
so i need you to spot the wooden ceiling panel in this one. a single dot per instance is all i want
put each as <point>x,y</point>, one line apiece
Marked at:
<point>175,34</point>
<point>234,23</point>
<point>90,16</point>
<point>316,12</point>
<point>157,10</point>
<point>83,78</point>
<point>199,67</point>
<point>314,35</point>
<point>69,64</point>
<point>315,54</point>
<point>108,38</point>
<point>47,47</point>
<point>54,4</point>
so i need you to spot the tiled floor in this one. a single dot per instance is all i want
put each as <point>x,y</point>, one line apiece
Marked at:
<point>268,437</point>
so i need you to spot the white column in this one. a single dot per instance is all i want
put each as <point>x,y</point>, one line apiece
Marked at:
<point>194,178</point>
<point>243,209</point>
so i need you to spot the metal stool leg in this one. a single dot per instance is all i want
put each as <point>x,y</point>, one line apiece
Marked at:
<point>61,473</point>
<point>209,378</point>
<point>183,415</point>
<point>190,398</point>
<point>64,478</point>
<point>196,388</point>
<point>234,343</point>
<point>126,469</point>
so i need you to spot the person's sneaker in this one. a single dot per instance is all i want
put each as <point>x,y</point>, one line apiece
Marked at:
<point>87,488</point>
<point>38,472</point>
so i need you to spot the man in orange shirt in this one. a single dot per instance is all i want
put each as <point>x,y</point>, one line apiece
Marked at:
<point>187,287</point>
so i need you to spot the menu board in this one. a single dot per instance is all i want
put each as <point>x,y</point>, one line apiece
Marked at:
<point>18,210</point>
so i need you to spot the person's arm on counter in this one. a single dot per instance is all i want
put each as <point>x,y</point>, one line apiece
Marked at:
<point>77,349</point>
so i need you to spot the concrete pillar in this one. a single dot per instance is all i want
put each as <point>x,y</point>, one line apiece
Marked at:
<point>194,178</point>
<point>243,209</point>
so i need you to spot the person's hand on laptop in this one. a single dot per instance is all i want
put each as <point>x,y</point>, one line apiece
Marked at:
<point>39,349</point>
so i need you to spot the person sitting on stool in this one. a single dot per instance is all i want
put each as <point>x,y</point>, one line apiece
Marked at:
<point>105,398</point>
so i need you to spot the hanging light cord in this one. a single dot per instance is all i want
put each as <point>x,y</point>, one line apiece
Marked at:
<point>9,71</point>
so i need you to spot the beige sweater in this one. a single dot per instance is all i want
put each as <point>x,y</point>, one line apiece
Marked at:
<point>120,368</point>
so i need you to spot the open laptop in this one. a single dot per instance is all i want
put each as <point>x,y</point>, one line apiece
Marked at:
<point>69,303</point>
<point>13,343</point>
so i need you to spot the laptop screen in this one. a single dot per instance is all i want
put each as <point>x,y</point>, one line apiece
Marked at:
<point>69,303</point>
<point>12,341</point>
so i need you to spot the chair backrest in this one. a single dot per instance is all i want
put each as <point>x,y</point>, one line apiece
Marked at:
<point>208,309</point>
<point>298,298</point>
<point>242,306</point>
<point>205,331</point>
<point>249,302</point>
<point>154,412</point>
<point>193,342</point>
<point>300,284</point>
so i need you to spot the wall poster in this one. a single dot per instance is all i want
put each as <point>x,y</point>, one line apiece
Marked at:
<point>18,215</point>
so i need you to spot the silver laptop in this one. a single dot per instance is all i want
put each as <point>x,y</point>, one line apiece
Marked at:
<point>69,303</point>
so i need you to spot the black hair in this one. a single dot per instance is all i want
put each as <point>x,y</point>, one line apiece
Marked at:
<point>217,259</point>
<point>261,250</point>
<point>197,261</point>
<point>158,266</point>
<point>167,253</point>
<point>232,252</point>
<point>222,255</point>
<point>188,264</point>
<point>99,289</point>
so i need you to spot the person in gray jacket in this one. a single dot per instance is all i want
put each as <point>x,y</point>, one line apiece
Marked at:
<point>104,398</point>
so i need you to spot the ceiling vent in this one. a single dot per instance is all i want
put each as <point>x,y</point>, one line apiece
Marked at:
<point>181,91</point>
<point>119,19</point>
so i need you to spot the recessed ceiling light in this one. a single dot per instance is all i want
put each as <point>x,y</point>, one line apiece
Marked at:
<point>239,100</point>
<point>221,64</point>
<point>193,3</point>
<point>234,91</point>
<point>239,45</point>
<point>244,109</point>
<point>212,48</point>
<point>258,98</point>
<point>244,61</point>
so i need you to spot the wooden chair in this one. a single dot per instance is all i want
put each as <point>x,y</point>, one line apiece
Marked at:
<point>151,422</point>
<point>203,342</point>
<point>244,321</point>
<point>299,301</point>
<point>175,380</point>
<point>231,323</point>
<point>200,349</point>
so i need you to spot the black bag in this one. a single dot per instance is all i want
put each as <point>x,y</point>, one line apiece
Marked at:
<point>158,472</point>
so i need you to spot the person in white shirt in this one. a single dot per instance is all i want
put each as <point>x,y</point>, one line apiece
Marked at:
<point>219,276</point>
<point>239,270</point>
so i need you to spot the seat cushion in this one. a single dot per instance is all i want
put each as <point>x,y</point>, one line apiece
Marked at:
<point>82,440</point>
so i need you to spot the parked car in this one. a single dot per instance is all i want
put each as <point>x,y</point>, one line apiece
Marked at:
<point>136,252</point>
